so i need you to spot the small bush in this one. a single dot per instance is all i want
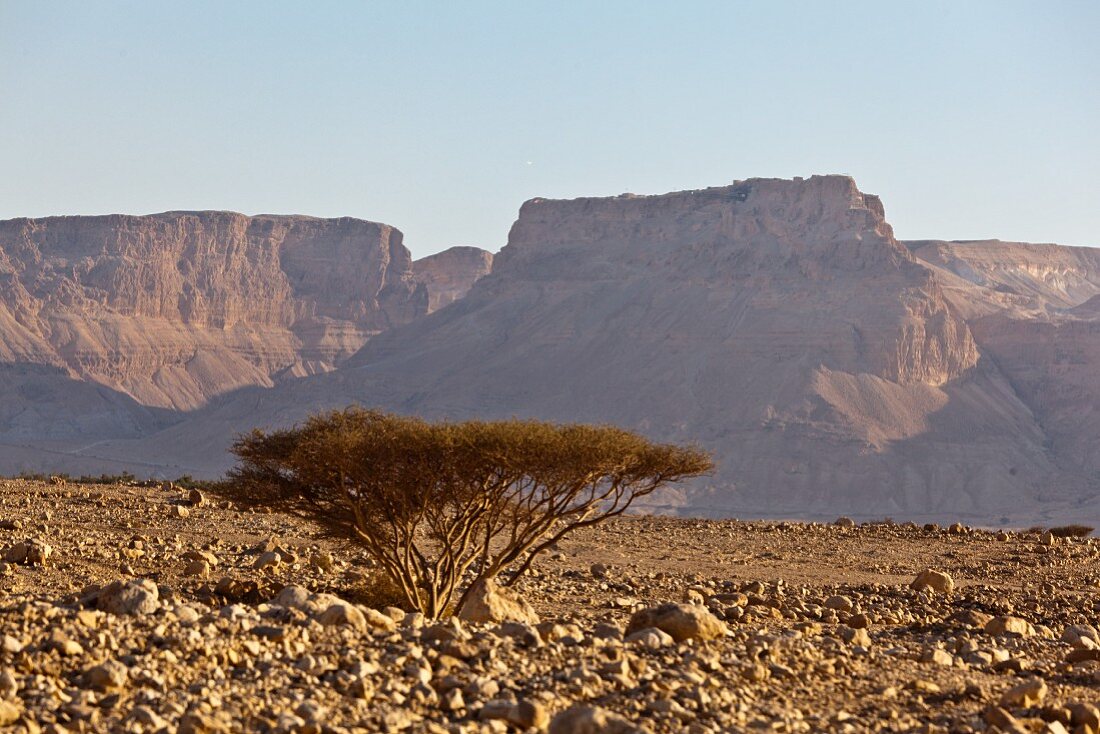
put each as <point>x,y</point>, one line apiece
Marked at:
<point>112,479</point>
<point>441,505</point>
<point>1072,531</point>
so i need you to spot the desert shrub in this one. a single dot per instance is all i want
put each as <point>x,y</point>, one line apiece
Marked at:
<point>1072,531</point>
<point>110,479</point>
<point>442,505</point>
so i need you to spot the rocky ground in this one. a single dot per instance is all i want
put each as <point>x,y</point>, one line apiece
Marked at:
<point>155,609</point>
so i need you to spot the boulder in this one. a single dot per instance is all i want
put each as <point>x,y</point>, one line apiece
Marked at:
<point>592,720</point>
<point>10,711</point>
<point>1081,636</point>
<point>107,676</point>
<point>135,597</point>
<point>29,553</point>
<point>937,581</point>
<point>490,602</point>
<point>331,610</point>
<point>1029,693</point>
<point>650,637</point>
<point>680,621</point>
<point>293,597</point>
<point>1006,625</point>
<point>343,613</point>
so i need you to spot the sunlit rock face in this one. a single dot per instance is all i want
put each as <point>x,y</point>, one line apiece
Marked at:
<point>176,308</point>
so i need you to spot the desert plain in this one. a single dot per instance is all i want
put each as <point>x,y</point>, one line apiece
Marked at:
<point>165,609</point>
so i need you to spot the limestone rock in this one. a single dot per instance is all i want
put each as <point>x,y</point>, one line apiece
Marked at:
<point>680,621</point>
<point>1029,693</point>
<point>343,613</point>
<point>1080,635</point>
<point>592,720</point>
<point>649,637</point>
<point>136,597</point>
<point>490,602</point>
<point>294,597</point>
<point>938,581</point>
<point>29,553</point>
<point>1009,625</point>
<point>109,675</point>
<point>10,711</point>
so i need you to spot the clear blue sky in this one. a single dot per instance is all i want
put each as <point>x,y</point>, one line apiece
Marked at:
<point>971,119</point>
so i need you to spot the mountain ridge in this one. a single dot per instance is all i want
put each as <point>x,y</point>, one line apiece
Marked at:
<point>831,367</point>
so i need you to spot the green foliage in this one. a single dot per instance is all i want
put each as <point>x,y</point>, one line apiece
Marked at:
<point>437,505</point>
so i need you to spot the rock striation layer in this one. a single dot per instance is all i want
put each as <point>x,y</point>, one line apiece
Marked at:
<point>173,309</point>
<point>1034,310</point>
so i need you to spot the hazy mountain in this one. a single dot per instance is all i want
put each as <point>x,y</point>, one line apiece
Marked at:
<point>831,368</point>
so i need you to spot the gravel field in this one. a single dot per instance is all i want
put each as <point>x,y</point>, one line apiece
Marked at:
<point>155,609</point>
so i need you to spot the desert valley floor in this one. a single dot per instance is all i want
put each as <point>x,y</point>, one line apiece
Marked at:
<point>820,631</point>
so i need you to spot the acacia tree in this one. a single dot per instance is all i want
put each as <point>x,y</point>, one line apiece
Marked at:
<point>439,505</point>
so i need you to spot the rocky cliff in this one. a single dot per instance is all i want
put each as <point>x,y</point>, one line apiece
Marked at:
<point>175,308</point>
<point>1034,311</point>
<point>449,275</point>
<point>1019,278</point>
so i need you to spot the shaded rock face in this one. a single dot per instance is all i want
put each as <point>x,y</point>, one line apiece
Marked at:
<point>175,308</point>
<point>450,274</point>
<point>1035,310</point>
<point>1025,280</point>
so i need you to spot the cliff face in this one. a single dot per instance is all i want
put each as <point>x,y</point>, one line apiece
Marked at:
<point>175,308</point>
<point>449,275</point>
<point>796,246</point>
<point>1022,279</point>
<point>1033,310</point>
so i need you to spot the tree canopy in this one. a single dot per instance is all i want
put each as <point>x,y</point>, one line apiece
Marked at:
<point>439,506</point>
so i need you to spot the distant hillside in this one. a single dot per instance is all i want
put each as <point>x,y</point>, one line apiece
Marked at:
<point>831,368</point>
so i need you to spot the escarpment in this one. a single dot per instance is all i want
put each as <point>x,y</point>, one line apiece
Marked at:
<point>449,275</point>
<point>830,368</point>
<point>176,308</point>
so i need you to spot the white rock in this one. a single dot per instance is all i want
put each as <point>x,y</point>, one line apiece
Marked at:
<point>135,597</point>
<point>490,602</point>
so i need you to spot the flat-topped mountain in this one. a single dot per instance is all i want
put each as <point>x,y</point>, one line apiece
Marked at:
<point>175,308</point>
<point>779,323</point>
